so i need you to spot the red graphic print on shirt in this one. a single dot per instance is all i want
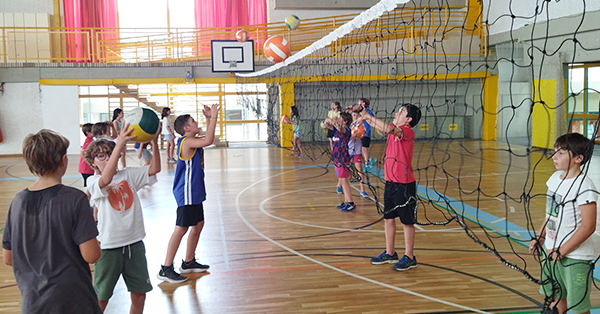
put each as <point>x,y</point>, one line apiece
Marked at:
<point>120,196</point>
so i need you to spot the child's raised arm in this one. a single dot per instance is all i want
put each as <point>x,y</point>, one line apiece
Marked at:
<point>380,125</point>
<point>155,163</point>
<point>211,113</point>
<point>111,166</point>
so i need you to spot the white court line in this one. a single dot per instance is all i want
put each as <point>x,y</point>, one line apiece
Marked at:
<point>499,220</point>
<point>222,225</point>
<point>251,227</point>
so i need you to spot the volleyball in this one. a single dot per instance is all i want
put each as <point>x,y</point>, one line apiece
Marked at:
<point>241,35</point>
<point>285,119</point>
<point>358,131</point>
<point>292,22</point>
<point>145,124</point>
<point>276,49</point>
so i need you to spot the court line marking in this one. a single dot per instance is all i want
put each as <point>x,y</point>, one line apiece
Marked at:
<point>251,227</point>
<point>222,227</point>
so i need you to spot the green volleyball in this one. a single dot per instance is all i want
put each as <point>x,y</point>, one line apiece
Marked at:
<point>292,22</point>
<point>145,124</point>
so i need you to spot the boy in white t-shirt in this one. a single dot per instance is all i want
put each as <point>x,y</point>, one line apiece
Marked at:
<point>120,220</point>
<point>570,221</point>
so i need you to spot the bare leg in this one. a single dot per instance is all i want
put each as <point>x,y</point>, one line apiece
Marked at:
<point>300,152</point>
<point>192,241</point>
<point>346,188</point>
<point>137,303</point>
<point>362,175</point>
<point>365,153</point>
<point>390,235</point>
<point>409,240</point>
<point>174,244</point>
<point>170,148</point>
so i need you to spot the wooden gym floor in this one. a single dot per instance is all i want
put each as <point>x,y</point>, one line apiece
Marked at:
<point>276,243</point>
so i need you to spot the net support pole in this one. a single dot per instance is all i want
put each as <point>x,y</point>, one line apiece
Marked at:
<point>286,96</point>
<point>490,107</point>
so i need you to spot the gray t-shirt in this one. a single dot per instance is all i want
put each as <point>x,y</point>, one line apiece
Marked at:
<point>43,231</point>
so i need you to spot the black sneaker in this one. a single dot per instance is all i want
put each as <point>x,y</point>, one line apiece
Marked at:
<point>192,267</point>
<point>168,274</point>
<point>385,258</point>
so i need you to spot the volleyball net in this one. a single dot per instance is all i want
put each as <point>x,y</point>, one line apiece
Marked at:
<point>490,114</point>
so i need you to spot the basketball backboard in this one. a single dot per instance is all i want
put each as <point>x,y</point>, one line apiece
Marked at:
<point>232,56</point>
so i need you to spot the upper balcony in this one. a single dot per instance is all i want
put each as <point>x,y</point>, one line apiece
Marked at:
<point>409,32</point>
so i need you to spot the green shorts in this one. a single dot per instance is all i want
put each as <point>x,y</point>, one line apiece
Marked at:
<point>575,280</point>
<point>130,261</point>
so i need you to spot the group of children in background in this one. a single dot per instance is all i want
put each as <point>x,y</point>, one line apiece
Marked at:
<point>54,266</point>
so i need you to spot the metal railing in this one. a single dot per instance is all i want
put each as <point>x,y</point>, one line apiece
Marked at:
<point>407,27</point>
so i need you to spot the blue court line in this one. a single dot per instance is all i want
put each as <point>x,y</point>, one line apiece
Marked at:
<point>517,234</point>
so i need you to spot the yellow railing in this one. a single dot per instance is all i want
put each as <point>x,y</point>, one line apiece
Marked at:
<point>404,30</point>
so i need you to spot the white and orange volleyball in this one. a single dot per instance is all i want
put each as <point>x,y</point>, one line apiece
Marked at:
<point>241,35</point>
<point>276,49</point>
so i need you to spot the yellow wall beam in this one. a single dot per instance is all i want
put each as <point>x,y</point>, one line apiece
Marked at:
<point>490,108</point>
<point>544,118</point>
<point>286,97</point>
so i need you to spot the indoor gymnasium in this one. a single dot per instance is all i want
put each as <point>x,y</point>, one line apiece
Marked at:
<point>317,123</point>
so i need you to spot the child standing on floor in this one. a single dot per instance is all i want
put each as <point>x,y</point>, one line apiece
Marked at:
<point>168,133</point>
<point>189,191</point>
<point>335,111</point>
<point>120,219</point>
<point>341,157</point>
<point>400,195</point>
<point>50,235</point>
<point>297,127</point>
<point>355,149</point>
<point>85,169</point>
<point>566,232</point>
<point>117,125</point>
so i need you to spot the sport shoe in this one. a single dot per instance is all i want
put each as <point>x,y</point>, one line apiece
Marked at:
<point>192,267</point>
<point>372,162</point>
<point>339,190</point>
<point>385,258</point>
<point>363,194</point>
<point>342,205</point>
<point>348,207</point>
<point>168,274</point>
<point>405,263</point>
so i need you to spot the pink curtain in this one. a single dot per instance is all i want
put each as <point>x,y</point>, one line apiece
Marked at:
<point>81,44</point>
<point>230,13</point>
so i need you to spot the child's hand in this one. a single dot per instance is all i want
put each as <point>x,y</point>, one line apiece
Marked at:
<point>214,110</point>
<point>206,112</point>
<point>554,255</point>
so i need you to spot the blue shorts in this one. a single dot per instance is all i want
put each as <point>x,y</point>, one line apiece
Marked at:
<point>298,133</point>
<point>168,137</point>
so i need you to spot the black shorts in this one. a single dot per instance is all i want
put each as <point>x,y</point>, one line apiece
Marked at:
<point>85,177</point>
<point>189,215</point>
<point>400,200</point>
<point>366,141</point>
<point>330,133</point>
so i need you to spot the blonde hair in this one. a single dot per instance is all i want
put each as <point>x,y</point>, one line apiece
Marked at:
<point>101,145</point>
<point>43,151</point>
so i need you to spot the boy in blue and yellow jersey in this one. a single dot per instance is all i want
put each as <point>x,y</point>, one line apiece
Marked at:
<point>189,192</point>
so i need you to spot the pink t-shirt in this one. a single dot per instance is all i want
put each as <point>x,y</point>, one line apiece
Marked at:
<point>398,156</point>
<point>83,166</point>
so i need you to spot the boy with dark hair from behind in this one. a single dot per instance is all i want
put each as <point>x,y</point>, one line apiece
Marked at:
<point>50,234</point>
<point>566,232</point>
<point>84,168</point>
<point>101,129</point>
<point>400,196</point>
<point>120,219</point>
<point>189,191</point>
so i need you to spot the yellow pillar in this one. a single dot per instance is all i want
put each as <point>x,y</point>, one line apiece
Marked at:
<point>490,108</point>
<point>286,97</point>
<point>544,117</point>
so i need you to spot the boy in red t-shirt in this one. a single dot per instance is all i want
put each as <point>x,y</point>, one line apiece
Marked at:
<point>400,197</point>
<point>85,169</point>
